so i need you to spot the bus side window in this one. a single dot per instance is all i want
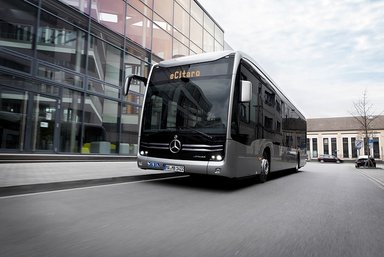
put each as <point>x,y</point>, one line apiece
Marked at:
<point>245,115</point>
<point>244,112</point>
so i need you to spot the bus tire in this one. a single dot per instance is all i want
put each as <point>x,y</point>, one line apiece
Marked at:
<point>265,168</point>
<point>297,167</point>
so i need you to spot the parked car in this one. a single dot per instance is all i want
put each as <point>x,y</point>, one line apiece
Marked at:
<point>329,158</point>
<point>362,161</point>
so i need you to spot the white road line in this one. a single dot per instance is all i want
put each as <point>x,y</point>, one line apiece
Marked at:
<point>89,187</point>
<point>379,183</point>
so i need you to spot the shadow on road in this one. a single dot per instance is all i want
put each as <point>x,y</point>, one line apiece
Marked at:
<point>213,183</point>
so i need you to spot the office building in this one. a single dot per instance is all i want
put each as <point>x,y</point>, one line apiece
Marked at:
<point>62,63</point>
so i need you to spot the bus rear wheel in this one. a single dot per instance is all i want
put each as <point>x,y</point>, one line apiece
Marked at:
<point>264,169</point>
<point>297,167</point>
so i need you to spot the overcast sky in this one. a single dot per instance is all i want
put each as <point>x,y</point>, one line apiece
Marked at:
<point>322,53</point>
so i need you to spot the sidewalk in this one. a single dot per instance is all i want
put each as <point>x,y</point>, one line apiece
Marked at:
<point>17,178</point>
<point>374,174</point>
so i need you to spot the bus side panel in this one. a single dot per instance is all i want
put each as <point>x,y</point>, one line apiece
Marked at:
<point>245,160</point>
<point>284,158</point>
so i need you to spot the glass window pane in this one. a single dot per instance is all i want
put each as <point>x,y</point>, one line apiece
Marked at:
<point>162,23</point>
<point>100,31</point>
<point>164,8</point>
<point>181,21</point>
<point>58,75</point>
<point>195,48</point>
<point>104,61</point>
<point>134,66</point>
<point>209,25</point>
<point>100,125</point>
<point>345,147</point>
<point>196,33</point>
<point>138,28</point>
<point>376,148</point>
<point>17,30</point>
<point>110,123</point>
<point>208,42</point>
<point>13,119</point>
<point>354,149</point>
<point>44,122</point>
<point>218,47</point>
<point>333,146</point>
<point>15,62</point>
<point>162,43</point>
<point>141,7</point>
<point>148,3</point>
<point>314,148</point>
<point>219,35</point>
<point>185,4</point>
<point>183,39</point>
<point>82,5</point>
<point>60,43</point>
<point>71,121</point>
<point>109,13</point>
<point>129,127</point>
<point>179,49</point>
<point>65,13</point>
<point>197,13</point>
<point>103,88</point>
<point>325,146</point>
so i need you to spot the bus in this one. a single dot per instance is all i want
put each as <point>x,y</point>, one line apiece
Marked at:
<point>217,114</point>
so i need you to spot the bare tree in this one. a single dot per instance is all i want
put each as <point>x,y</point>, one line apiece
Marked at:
<point>364,115</point>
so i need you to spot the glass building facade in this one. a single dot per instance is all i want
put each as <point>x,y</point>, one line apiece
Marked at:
<point>62,64</point>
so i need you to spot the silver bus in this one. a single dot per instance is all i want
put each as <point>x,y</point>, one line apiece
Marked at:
<point>217,114</point>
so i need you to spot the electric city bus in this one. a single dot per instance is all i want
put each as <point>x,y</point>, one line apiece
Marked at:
<point>217,114</point>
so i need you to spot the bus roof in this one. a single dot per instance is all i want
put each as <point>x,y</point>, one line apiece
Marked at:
<point>212,56</point>
<point>205,57</point>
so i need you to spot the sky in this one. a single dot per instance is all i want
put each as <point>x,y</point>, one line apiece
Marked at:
<point>323,54</point>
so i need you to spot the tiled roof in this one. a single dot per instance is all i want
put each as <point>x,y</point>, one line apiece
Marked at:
<point>341,124</point>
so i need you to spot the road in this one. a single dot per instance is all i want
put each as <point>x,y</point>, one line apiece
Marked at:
<point>325,210</point>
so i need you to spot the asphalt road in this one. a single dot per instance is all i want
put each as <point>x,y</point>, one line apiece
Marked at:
<point>325,210</point>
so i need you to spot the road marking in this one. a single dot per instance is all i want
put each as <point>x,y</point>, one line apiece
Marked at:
<point>379,183</point>
<point>89,187</point>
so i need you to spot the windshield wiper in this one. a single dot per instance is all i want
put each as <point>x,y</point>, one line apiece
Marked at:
<point>199,132</point>
<point>194,130</point>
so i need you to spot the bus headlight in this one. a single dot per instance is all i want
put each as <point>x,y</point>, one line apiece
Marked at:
<point>216,157</point>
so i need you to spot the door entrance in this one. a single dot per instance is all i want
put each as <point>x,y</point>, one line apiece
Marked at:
<point>43,123</point>
<point>28,121</point>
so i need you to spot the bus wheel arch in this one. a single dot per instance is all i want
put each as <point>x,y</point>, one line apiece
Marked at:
<point>265,165</point>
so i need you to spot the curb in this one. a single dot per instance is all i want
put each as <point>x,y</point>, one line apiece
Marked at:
<point>34,158</point>
<point>62,185</point>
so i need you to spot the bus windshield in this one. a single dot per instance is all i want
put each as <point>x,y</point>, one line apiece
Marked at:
<point>191,98</point>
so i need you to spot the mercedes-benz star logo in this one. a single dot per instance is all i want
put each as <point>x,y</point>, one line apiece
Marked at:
<point>175,145</point>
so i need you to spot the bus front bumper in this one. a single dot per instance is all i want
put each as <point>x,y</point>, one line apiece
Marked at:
<point>192,167</point>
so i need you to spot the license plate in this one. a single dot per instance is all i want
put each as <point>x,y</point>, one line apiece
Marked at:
<point>174,168</point>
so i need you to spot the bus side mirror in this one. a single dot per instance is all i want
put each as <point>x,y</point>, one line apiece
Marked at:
<point>128,81</point>
<point>246,91</point>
